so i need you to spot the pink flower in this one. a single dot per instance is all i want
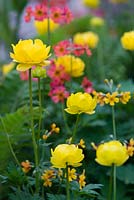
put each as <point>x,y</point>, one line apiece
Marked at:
<point>29,14</point>
<point>58,94</point>
<point>56,14</point>
<point>62,48</point>
<point>40,12</point>
<point>68,16</point>
<point>87,85</point>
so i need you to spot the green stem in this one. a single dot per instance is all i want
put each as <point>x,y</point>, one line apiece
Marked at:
<point>9,143</point>
<point>67,184</point>
<point>35,147</point>
<point>110,184</point>
<point>75,128</point>
<point>113,120</point>
<point>65,119</point>
<point>40,109</point>
<point>114,182</point>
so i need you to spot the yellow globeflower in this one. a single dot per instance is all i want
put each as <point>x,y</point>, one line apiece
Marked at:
<point>66,154</point>
<point>87,38</point>
<point>30,53</point>
<point>127,40</point>
<point>74,66</point>
<point>81,103</point>
<point>91,3</point>
<point>112,152</point>
<point>42,26</point>
<point>96,21</point>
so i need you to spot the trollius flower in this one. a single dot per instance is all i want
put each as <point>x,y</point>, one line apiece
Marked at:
<point>28,53</point>
<point>112,152</point>
<point>81,103</point>
<point>66,154</point>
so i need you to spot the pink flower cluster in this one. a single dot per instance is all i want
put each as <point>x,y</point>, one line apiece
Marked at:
<point>87,85</point>
<point>68,47</point>
<point>41,12</point>
<point>58,92</point>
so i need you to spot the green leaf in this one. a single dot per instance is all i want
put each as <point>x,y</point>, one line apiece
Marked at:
<point>56,197</point>
<point>126,173</point>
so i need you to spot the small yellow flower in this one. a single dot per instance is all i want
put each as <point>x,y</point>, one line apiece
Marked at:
<point>30,53</point>
<point>71,174</point>
<point>42,26</point>
<point>54,128</point>
<point>47,176</point>
<point>124,97</point>
<point>74,66</point>
<point>127,40</point>
<point>130,147</point>
<point>81,103</point>
<point>65,154</point>
<point>112,152</point>
<point>86,38</point>
<point>26,166</point>
<point>111,98</point>
<point>7,68</point>
<point>82,144</point>
<point>91,3</point>
<point>82,181</point>
<point>96,21</point>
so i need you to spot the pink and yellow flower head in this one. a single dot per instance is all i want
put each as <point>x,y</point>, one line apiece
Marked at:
<point>81,103</point>
<point>74,66</point>
<point>112,152</point>
<point>127,40</point>
<point>42,26</point>
<point>86,38</point>
<point>28,53</point>
<point>91,3</point>
<point>66,155</point>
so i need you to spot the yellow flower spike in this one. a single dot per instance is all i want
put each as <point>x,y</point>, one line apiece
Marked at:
<point>81,103</point>
<point>82,181</point>
<point>74,66</point>
<point>111,98</point>
<point>82,144</point>
<point>66,154</point>
<point>29,53</point>
<point>47,176</point>
<point>86,38</point>
<point>127,40</point>
<point>91,3</point>
<point>71,174</point>
<point>125,97</point>
<point>42,26</point>
<point>112,152</point>
<point>131,142</point>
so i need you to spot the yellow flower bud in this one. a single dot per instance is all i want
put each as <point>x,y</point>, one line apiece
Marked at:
<point>66,154</point>
<point>112,152</point>
<point>127,40</point>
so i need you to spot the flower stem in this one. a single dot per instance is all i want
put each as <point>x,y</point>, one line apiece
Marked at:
<point>67,184</point>
<point>110,184</point>
<point>113,120</point>
<point>75,129</point>
<point>35,147</point>
<point>40,109</point>
<point>9,143</point>
<point>114,182</point>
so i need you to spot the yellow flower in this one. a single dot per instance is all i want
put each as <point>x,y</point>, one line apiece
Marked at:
<point>86,38</point>
<point>65,154</point>
<point>30,53</point>
<point>72,174</point>
<point>127,40</point>
<point>47,177</point>
<point>82,143</point>
<point>130,147</point>
<point>7,68</point>
<point>96,21</point>
<point>81,103</point>
<point>125,96</point>
<point>42,26</point>
<point>111,98</point>
<point>112,152</point>
<point>82,181</point>
<point>74,66</point>
<point>92,3</point>
<point>26,166</point>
